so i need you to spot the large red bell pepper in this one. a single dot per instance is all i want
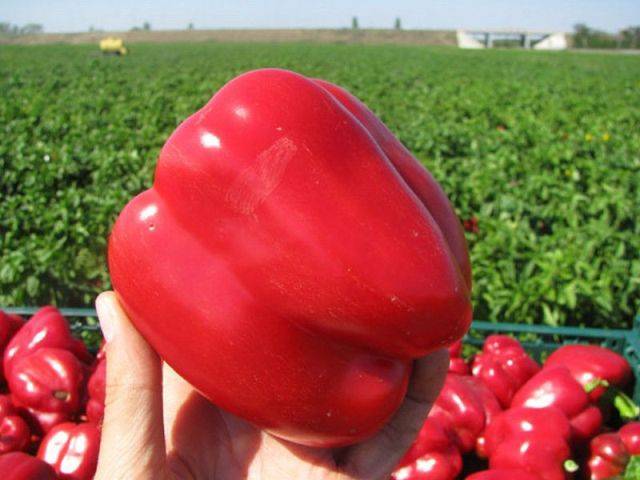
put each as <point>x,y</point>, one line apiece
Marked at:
<point>556,387</point>
<point>9,326</point>
<point>14,431</point>
<point>503,474</point>
<point>72,450</point>
<point>630,435</point>
<point>464,407</point>
<point>589,363</point>
<point>48,380</point>
<point>20,466</point>
<point>46,329</point>
<point>291,258</point>
<point>503,366</point>
<point>96,389</point>
<point>609,456</point>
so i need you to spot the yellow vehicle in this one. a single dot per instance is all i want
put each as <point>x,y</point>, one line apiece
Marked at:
<point>113,45</point>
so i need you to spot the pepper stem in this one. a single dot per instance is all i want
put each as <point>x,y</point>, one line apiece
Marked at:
<point>61,395</point>
<point>626,407</point>
<point>571,466</point>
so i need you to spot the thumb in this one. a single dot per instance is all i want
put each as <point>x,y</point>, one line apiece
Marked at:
<point>132,444</point>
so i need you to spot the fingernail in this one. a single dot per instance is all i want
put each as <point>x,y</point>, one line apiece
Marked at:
<point>106,317</point>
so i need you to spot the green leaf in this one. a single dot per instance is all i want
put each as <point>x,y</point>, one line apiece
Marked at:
<point>627,408</point>
<point>633,469</point>
<point>595,383</point>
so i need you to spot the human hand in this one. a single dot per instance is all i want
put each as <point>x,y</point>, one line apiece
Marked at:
<point>157,426</point>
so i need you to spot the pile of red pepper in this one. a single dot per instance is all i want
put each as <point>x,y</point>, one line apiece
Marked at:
<point>51,400</point>
<point>502,416</point>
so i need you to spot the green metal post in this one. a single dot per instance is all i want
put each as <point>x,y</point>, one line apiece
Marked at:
<point>632,352</point>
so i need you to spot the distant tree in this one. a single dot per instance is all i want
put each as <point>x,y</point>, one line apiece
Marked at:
<point>31,29</point>
<point>630,37</point>
<point>354,23</point>
<point>586,37</point>
<point>146,26</point>
<point>190,26</point>
<point>5,28</point>
<point>581,33</point>
<point>398,24</point>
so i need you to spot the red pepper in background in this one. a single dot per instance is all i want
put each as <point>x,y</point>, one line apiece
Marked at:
<point>495,343</point>
<point>489,401</point>
<point>503,366</point>
<point>433,455</point>
<point>464,408</point>
<point>544,457</point>
<point>101,351</point>
<point>261,215</point>
<point>96,389</point>
<point>14,434</point>
<point>6,406</point>
<point>502,474</point>
<point>535,440</point>
<point>20,466</point>
<point>443,464</point>
<point>457,364</point>
<point>42,422</point>
<point>540,423</point>
<point>48,380</point>
<point>9,326</point>
<point>14,431</point>
<point>471,225</point>
<point>432,436</point>
<point>630,436</point>
<point>72,450</point>
<point>455,349</point>
<point>491,409</point>
<point>609,456</point>
<point>556,387</point>
<point>46,329</point>
<point>589,363</point>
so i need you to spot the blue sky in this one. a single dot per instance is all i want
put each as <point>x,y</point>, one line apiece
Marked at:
<point>78,15</point>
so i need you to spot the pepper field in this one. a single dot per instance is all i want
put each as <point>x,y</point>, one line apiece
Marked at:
<point>543,149</point>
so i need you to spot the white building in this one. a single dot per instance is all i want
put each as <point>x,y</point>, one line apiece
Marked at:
<point>527,39</point>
